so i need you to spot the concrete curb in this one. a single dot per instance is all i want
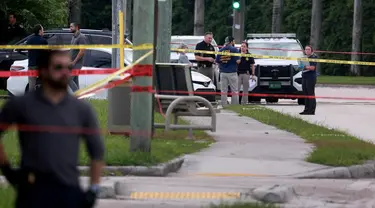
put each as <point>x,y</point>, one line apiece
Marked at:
<point>161,170</point>
<point>345,86</point>
<point>351,172</point>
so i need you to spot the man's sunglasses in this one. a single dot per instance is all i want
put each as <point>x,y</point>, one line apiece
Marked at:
<point>59,67</point>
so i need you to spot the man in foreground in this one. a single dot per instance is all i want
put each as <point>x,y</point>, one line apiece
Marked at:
<point>50,123</point>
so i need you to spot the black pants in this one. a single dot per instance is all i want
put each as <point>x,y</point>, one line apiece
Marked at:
<point>47,194</point>
<point>308,87</point>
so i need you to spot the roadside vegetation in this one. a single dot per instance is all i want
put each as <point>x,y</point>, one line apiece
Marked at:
<point>346,80</point>
<point>164,146</point>
<point>332,147</point>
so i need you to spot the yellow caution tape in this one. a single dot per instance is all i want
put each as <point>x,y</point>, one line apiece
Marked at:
<point>111,76</point>
<point>138,47</point>
<point>331,61</point>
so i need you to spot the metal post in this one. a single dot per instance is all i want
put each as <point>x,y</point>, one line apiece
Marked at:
<point>238,30</point>
<point>163,53</point>
<point>141,101</point>
<point>115,33</point>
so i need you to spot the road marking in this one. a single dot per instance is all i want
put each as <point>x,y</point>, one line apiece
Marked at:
<point>185,195</point>
<point>232,175</point>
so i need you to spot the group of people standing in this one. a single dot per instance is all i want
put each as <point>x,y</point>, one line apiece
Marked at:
<point>237,71</point>
<point>77,55</point>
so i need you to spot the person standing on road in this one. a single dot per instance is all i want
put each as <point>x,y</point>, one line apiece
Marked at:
<point>308,82</point>
<point>206,61</point>
<point>50,124</point>
<point>245,70</point>
<point>228,72</point>
<point>77,54</point>
<point>36,39</point>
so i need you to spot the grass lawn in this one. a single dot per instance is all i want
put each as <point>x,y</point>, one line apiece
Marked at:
<point>165,145</point>
<point>333,147</point>
<point>244,205</point>
<point>346,80</point>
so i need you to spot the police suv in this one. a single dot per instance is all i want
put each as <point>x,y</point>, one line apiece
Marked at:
<point>275,76</point>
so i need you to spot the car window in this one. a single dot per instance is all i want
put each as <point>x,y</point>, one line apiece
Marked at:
<point>289,49</point>
<point>99,59</point>
<point>52,39</point>
<point>101,39</point>
<point>191,43</point>
<point>65,39</point>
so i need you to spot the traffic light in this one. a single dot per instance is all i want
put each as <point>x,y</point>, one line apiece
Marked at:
<point>236,5</point>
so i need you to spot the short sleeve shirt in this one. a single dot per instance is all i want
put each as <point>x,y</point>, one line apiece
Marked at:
<point>78,39</point>
<point>245,65</point>
<point>203,46</point>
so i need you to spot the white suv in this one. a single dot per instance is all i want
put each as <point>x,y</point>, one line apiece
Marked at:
<point>276,76</point>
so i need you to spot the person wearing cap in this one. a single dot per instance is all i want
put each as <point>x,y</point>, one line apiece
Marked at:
<point>228,71</point>
<point>51,124</point>
<point>246,71</point>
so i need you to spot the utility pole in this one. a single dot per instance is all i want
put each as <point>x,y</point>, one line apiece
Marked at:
<point>357,36</point>
<point>199,17</point>
<point>164,28</point>
<point>141,112</point>
<point>238,28</point>
<point>115,33</point>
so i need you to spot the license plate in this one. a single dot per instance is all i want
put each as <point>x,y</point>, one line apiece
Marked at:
<point>275,85</point>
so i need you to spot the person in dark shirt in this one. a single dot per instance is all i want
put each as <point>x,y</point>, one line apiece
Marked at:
<point>15,31</point>
<point>308,82</point>
<point>228,72</point>
<point>36,39</point>
<point>53,123</point>
<point>206,61</point>
<point>244,70</point>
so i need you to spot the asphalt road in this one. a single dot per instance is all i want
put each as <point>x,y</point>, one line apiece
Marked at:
<point>354,116</point>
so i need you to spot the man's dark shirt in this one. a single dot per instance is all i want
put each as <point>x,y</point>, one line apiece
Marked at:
<point>311,73</point>
<point>203,46</point>
<point>14,33</point>
<point>34,53</point>
<point>245,65</point>
<point>53,148</point>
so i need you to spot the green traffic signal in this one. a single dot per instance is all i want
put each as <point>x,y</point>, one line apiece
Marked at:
<point>236,5</point>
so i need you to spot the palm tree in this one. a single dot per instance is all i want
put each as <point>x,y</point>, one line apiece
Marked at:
<point>356,36</point>
<point>277,14</point>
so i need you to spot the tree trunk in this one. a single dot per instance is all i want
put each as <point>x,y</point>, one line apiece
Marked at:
<point>75,11</point>
<point>199,17</point>
<point>277,15</point>
<point>316,26</point>
<point>356,36</point>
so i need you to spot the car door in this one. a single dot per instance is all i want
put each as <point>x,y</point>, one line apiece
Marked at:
<point>99,60</point>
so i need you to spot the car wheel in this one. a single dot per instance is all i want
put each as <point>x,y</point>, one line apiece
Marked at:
<point>301,101</point>
<point>254,99</point>
<point>272,100</point>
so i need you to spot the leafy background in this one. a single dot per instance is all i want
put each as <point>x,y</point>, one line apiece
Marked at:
<point>336,26</point>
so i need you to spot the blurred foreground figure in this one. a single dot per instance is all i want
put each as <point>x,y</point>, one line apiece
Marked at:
<point>51,123</point>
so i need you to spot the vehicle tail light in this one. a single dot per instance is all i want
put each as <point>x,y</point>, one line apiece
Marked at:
<point>17,68</point>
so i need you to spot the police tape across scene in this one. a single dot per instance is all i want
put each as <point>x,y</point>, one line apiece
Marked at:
<point>111,76</point>
<point>46,47</point>
<point>331,61</point>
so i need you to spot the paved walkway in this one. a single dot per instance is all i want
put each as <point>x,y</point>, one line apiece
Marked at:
<point>247,147</point>
<point>352,116</point>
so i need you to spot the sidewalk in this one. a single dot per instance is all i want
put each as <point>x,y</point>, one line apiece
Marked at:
<point>247,147</point>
